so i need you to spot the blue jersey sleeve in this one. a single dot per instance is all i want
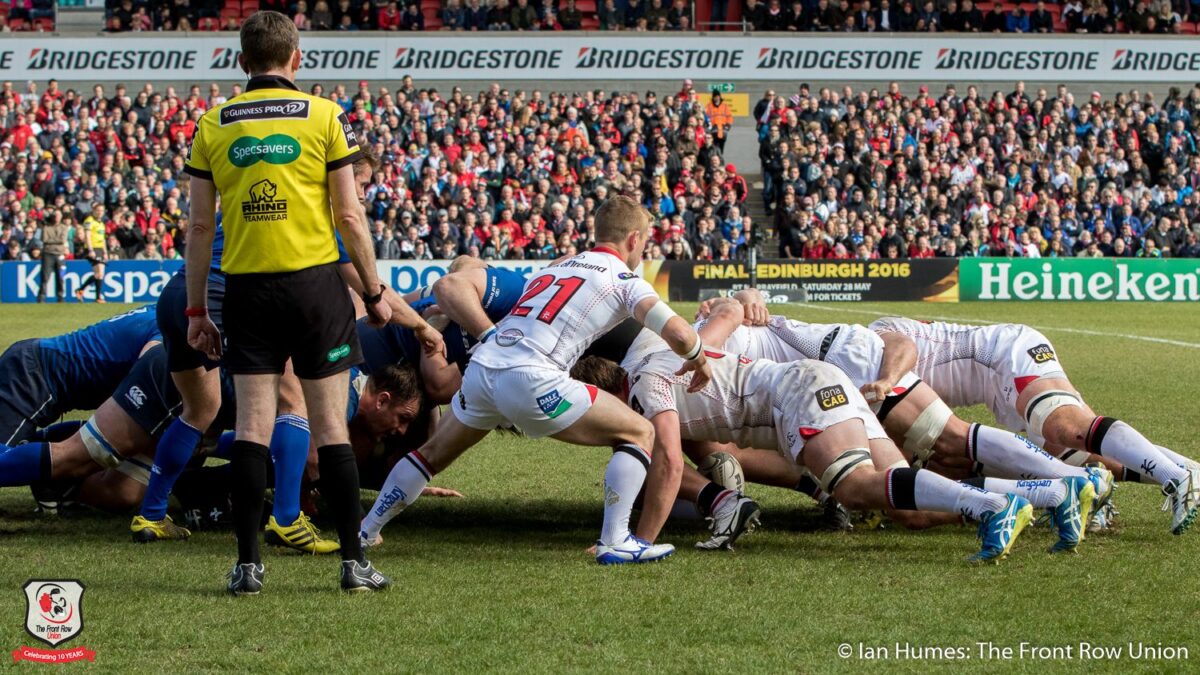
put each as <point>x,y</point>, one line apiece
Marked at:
<point>343,256</point>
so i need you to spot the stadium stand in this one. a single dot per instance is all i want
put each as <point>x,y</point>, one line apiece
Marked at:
<point>509,174</point>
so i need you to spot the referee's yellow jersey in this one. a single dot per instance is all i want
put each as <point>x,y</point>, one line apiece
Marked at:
<point>269,152</point>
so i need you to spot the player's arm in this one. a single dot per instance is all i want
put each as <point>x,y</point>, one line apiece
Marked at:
<point>679,335</point>
<point>899,357</point>
<point>439,378</point>
<point>459,296</point>
<point>724,317</point>
<point>348,218</point>
<point>402,314</point>
<point>203,335</point>
<point>663,476</point>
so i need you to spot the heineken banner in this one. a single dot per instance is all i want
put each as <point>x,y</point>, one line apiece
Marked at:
<point>1122,279</point>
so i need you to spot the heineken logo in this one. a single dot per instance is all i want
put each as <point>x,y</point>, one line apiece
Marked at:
<point>274,149</point>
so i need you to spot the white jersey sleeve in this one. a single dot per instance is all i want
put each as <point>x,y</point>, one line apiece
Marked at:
<point>563,310</point>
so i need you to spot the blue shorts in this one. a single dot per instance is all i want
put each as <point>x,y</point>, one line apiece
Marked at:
<point>149,397</point>
<point>174,325</point>
<point>26,398</point>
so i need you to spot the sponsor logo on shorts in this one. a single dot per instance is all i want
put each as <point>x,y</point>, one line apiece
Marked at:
<point>264,203</point>
<point>1042,353</point>
<point>553,404</point>
<point>791,439</point>
<point>136,396</point>
<point>338,353</point>
<point>274,149</point>
<point>264,110</point>
<point>509,337</point>
<point>832,397</point>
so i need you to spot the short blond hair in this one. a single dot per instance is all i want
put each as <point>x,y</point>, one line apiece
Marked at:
<point>620,216</point>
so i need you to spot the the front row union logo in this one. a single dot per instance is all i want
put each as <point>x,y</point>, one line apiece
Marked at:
<point>53,614</point>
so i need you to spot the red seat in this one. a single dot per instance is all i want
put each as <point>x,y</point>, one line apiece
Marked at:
<point>208,23</point>
<point>586,6</point>
<point>17,24</point>
<point>249,7</point>
<point>590,23</point>
<point>45,24</point>
<point>231,12</point>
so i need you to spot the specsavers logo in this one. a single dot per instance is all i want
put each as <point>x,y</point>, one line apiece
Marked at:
<point>274,149</point>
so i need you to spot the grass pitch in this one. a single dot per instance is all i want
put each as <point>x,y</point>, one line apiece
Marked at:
<point>499,581</point>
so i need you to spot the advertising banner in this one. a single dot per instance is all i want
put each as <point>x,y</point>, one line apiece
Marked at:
<point>124,280</point>
<point>599,56</point>
<point>816,281</point>
<point>1119,279</point>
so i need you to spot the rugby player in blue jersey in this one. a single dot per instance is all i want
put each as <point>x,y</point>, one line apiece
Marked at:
<point>42,379</point>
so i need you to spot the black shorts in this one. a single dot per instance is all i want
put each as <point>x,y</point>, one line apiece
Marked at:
<point>173,324</point>
<point>306,316</point>
<point>148,395</point>
<point>26,399</point>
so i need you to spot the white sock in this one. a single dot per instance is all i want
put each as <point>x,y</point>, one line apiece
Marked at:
<point>1185,462</point>
<point>937,493</point>
<point>1123,443</point>
<point>403,485</point>
<point>622,482</point>
<point>1044,493</point>
<point>1015,457</point>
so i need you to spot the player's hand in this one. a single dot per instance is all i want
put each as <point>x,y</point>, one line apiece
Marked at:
<point>756,310</point>
<point>379,314</point>
<point>439,492</point>
<point>430,339</point>
<point>434,316</point>
<point>705,309</point>
<point>876,391</point>
<point>203,336</point>
<point>700,370</point>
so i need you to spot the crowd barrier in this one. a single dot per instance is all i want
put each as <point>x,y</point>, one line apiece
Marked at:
<point>936,280</point>
<point>582,56</point>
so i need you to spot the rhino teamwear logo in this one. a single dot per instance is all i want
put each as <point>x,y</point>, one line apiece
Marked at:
<point>53,609</point>
<point>274,149</point>
<point>264,110</point>
<point>264,203</point>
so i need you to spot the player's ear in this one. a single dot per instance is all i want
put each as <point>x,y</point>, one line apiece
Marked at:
<point>242,63</point>
<point>383,400</point>
<point>296,60</point>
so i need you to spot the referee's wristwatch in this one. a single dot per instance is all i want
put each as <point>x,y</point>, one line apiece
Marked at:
<point>372,300</point>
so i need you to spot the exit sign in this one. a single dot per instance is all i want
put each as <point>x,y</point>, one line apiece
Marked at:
<point>722,87</point>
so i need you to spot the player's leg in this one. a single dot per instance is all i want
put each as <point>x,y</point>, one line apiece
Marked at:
<point>412,473</point>
<point>1055,411</point>
<point>840,457</point>
<point>287,525</point>
<point>257,397</point>
<point>716,488</point>
<point>885,455</point>
<point>115,490</point>
<point>200,390</point>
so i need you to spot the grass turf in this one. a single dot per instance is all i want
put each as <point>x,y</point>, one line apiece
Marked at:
<point>499,581</point>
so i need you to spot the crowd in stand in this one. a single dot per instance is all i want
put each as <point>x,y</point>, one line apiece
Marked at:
<point>1078,16</point>
<point>870,173</point>
<point>498,174</point>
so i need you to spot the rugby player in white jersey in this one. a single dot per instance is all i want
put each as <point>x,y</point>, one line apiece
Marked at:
<point>520,376</point>
<point>808,411</point>
<point>880,365</point>
<point>1014,370</point>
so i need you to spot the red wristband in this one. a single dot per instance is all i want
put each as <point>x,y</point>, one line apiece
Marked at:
<point>193,312</point>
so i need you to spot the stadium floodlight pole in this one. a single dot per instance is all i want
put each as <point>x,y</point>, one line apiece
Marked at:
<point>752,257</point>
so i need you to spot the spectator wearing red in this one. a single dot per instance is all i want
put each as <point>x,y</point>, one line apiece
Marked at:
<point>388,17</point>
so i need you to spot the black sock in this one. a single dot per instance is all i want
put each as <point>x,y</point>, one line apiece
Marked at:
<point>707,496</point>
<point>1130,476</point>
<point>974,481</point>
<point>249,466</point>
<point>339,486</point>
<point>902,489</point>
<point>808,486</point>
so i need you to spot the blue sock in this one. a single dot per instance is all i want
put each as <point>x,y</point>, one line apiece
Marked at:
<point>289,452</point>
<point>175,450</point>
<point>24,464</point>
<point>224,449</point>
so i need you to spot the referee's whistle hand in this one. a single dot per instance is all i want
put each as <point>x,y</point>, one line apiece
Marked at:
<point>204,337</point>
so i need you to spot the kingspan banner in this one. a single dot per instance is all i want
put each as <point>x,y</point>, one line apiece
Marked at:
<point>1119,279</point>
<point>597,56</point>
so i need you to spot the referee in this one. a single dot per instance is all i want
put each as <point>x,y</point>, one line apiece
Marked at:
<point>279,159</point>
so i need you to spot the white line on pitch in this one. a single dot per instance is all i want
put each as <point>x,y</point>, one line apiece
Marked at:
<point>1053,329</point>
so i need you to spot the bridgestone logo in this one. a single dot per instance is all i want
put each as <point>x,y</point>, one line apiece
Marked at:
<point>118,59</point>
<point>971,59</point>
<point>1128,59</point>
<point>520,59</point>
<point>770,58</point>
<point>264,110</point>
<point>593,58</point>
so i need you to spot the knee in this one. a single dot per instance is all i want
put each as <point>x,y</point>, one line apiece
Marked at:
<point>640,434</point>
<point>861,490</point>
